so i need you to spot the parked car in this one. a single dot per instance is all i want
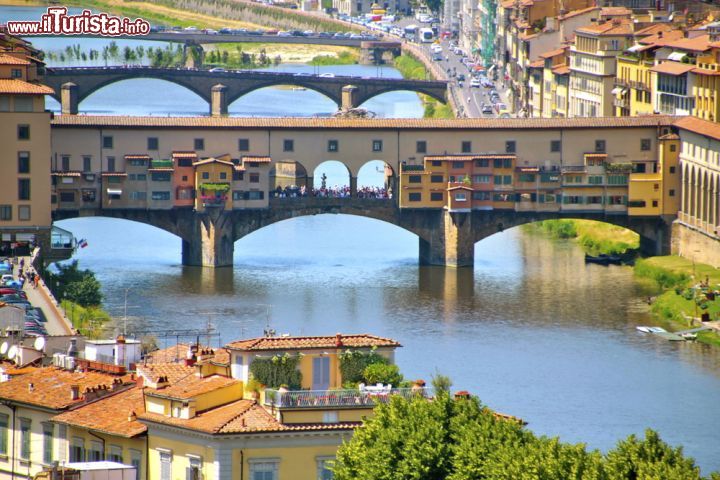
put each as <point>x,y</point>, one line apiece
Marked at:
<point>217,69</point>
<point>460,77</point>
<point>487,109</point>
<point>475,83</point>
<point>327,75</point>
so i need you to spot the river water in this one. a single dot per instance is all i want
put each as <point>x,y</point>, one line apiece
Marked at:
<point>532,329</point>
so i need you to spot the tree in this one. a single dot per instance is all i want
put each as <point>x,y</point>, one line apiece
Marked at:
<point>74,284</point>
<point>434,5</point>
<point>85,292</point>
<point>382,373</point>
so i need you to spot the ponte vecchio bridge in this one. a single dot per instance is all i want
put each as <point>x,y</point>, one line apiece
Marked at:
<point>454,182</point>
<point>73,84</point>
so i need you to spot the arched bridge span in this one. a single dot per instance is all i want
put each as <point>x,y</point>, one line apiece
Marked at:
<point>219,89</point>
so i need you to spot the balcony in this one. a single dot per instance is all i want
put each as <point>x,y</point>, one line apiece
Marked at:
<point>412,168</point>
<point>213,201</point>
<point>339,398</point>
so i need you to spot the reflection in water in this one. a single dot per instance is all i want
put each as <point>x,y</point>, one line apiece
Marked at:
<point>531,329</point>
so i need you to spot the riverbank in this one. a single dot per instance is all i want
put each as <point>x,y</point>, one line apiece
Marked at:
<point>688,292</point>
<point>413,69</point>
<point>231,54</point>
<point>594,238</point>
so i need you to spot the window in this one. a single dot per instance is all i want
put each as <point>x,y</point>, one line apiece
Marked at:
<point>238,176</point>
<point>67,197</point>
<point>671,192</point>
<point>414,179</point>
<point>238,195</point>
<point>110,164</point>
<point>458,164</point>
<point>161,176</point>
<point>482,163</point>
<point>23,132</point>
<point>153,143</point>
<point>107,141</point>
<point>136,461</point>
<point>160,195</point>
<point>88,195</point>
<point>324,468</point>
<point>254,178</point>
<point>333,146</point>
<point>436,163</point>
<point>23,162</point>
<point>244,144</point>
<point>25,438</point>
<point>414,197</point>
<point>5,214</point>
<point>436,196</point>
<point>24,212</point>
<point>498,180</point>
<point>503,179</point>
<point>138,196</point>
<point>288,145</point>
<point>595,179</point>
<point>24,189</point>
<point>673,147</point>
<point>617,179</point>
<point>421,146</point>
<point>205,175</point>
<point>165,465</point>
<point>672,169</point>
<point>87,163</point>
<point>481,178</point>
<point>510,146</point>
<point>223,175</point>
<point>595,199</point>
<point>16,73</point>
<point>435,178</point>
<point>481,196</point>
<point>23,104</point>
<point>654,203</point>
<point>254,195</point>
<point>555,146</point>
<point>330,417</point>
<point>264,469</point>
<point>3,418</point>
<point>466,147</point>
<point>65,163</point>
<point>460,197</point>
<point>194,471</point>
<point>115,454</point>
<point>199,144</point>
<point>4,104</point>
<point>185,194</point>
<point>47,443</point>
<point>599,146</point>
<point>137,162</point>
<point>377,146</point>
<point>645,144</point>
<point>526,177</point>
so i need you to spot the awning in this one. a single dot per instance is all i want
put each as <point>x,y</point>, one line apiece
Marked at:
<point>677,56</point>
<point>618,90</point>
<point>114,191</point>
<point>635,48</point>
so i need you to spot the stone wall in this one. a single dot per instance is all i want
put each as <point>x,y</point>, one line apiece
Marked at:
<point>695,245</point>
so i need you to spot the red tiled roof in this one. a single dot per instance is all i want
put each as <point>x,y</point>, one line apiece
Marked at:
<point>537,64</point>
<point>561,70</point>
<point>700,126</point>
<point>294,123</point>
<point>241,416</point>
<point>192,385</point>
<point>615,11</point>
<point>700,43</point>
<point>622,26</point>
<point>553,53</point>
<point>172,371</point>
<point>465,157</point>
<point>672,68</point>
<point>6,59</point>
<point>575,13</point>
<point>111,415</point>
<point>302,343</point>
<point>51,386</point>
<point>257,158</point>
<point>21,87</point>
<point>184,155</point>
<point>213,160</point>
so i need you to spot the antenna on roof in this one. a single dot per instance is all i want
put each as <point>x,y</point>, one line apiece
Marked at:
<point>268,332</point>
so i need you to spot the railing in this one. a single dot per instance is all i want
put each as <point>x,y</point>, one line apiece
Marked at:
<point>214,201</point>
<point>338,398</point>
<point>412,168</point>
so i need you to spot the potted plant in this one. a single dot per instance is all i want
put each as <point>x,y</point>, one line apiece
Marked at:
<point>254,387</point>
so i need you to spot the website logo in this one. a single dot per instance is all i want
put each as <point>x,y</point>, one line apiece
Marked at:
<point>57,22</point>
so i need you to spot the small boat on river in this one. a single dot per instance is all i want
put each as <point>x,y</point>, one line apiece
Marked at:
<point>645,329</point>
<point>603,259</point>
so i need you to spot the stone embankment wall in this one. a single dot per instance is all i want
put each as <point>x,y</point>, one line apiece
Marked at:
<point>695,245</point>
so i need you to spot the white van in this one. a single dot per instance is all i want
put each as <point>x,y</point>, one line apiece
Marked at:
<point>426,35</point>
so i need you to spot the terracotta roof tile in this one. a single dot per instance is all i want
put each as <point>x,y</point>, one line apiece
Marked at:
<point>114,174</point>
<point>184,155</point>
<point>656,28</point>
<point>241,416</point>
<point>178,353</point>
<point>302,343</point>
<point>575,13</point>
<point>51,386</point>
<point>537,64</point>
<point>554,53</point>
<point>173,371</point>
<point>213,160</point>
<point>192,385</point>
<point>257,159</point>
<point>111,415</point>
<point>658,40</point>
<point>65,174</point>
<point>698,125</point>
<point>232,123</point>
<point>6,59</point>
<point>21,87</point>
<point>615,11</point>
<point>701,43</point>
<point>561,70</point>
<point>451,158</point>
<point>622,26</point>
<point>672,68</point>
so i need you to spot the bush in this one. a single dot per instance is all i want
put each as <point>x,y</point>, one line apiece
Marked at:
<point>663,277</point>
<point>354,362</point>
<point>383,373</point>
<point>277,370</point>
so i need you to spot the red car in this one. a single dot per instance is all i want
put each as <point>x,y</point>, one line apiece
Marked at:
<point>12,291</point>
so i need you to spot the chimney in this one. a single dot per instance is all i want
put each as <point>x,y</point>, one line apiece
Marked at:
<point>162,382</point>
<point>74,392</point>
<point>72,348</point>
<point>31,387</point>
<point>132,416</point>
<point>338,340</point>
<point>660,34</point>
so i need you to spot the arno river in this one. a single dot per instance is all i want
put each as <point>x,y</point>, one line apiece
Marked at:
<point>531,329</point>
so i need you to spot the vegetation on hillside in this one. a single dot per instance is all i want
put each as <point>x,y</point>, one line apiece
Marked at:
<point>460,439</point>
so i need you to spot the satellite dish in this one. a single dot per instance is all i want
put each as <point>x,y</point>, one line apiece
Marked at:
<point>4,348</point>
<point>39,343</point>
<point>12,353</point>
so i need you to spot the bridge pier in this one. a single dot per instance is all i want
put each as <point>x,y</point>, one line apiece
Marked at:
<point>218,100</point>
<point>69,98</point>
<point>350,94</point>
<point>657,241</point>
<point>211,244</point>
<point>450,242</point>
<point>353,186</point>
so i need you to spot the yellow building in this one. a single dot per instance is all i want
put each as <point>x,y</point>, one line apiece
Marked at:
<point>25,155</point>
<point>29,439</point>
<point>213,180</point>
<point>654,188</point>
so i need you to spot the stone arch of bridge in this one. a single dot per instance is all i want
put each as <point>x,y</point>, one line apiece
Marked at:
<point>372,93</point>
<point>330,91</point>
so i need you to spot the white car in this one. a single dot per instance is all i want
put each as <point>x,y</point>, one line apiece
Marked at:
<point>327,75</point>
<point>435,48</point>
<point>475,83</point>
<point>217,69</point>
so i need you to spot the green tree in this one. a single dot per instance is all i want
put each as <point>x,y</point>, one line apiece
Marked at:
<point>434,5</point>
<point>382,373</point>
<point>85,292</point>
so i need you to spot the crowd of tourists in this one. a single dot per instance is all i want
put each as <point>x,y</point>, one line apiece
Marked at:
<point>336,191</point>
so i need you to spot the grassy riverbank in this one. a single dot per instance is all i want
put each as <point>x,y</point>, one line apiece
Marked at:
<point>594,237</point>
<point>89,321</point>
<point>231,54</point>
<point>412,69</point>
<point>683,295</point>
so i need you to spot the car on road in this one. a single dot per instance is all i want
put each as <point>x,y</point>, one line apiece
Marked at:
<point>475,83</point>
<point>436,48</point>
<point>303,74</point>
<point>327,75</point>
<point>217,70</point>
<point>437,57</point>
<point>487,109</point>
<point>460,77</point>
<point>284,34</point>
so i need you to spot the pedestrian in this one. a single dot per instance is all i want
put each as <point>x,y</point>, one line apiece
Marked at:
<point>22,263</point>
<point>36,280</point>
<point>22,282</point>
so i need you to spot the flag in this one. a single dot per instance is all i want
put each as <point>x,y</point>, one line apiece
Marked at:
<point>82,243</point>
